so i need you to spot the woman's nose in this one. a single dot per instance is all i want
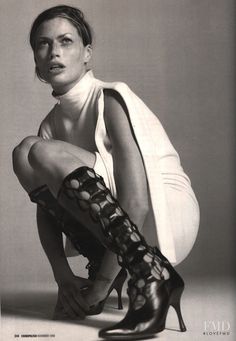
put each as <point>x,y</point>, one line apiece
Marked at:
<point>55,50</point>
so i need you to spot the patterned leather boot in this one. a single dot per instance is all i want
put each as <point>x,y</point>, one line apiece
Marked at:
<point>154,284</point>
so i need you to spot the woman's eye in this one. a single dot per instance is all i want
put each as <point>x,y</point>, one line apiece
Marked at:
<point>66,41</point>
<point>42,43</point>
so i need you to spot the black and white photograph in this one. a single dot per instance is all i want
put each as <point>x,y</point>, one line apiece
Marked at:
<point>117,173</point>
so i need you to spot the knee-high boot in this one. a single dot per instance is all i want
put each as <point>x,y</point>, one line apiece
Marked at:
<point>154,284</point>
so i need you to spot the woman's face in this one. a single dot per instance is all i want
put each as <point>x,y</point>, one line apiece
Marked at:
<point>60,55</point>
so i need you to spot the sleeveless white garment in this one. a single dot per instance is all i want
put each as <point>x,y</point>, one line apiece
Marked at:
<point>82,108</point>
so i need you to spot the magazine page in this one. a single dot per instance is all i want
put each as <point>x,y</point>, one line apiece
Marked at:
<point>117,170</point>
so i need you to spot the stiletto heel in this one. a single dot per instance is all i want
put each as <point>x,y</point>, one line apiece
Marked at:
<point>119,298</point>
<point>117,284</point>
<point>175,303</point>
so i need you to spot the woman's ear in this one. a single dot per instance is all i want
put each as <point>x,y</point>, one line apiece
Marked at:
<point>88,53</point>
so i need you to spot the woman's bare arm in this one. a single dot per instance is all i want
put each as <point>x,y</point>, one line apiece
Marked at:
<point>130,178</point>
<point>51,240</point>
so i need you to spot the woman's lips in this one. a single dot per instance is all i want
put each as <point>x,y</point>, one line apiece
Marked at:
<point>56,68</point>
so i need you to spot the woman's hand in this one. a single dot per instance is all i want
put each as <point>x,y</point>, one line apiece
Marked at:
<point>71,303</point>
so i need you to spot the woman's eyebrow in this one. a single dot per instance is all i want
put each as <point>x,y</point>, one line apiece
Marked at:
<point>58,37</point>
<point>64,34</point>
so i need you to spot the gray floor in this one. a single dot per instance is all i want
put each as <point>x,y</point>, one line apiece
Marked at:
<point>206,305</point>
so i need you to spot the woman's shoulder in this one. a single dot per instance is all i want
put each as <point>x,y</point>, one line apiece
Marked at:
<point>118,86</point>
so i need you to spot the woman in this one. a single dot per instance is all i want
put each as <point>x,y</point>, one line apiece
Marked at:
<point>103,163</point>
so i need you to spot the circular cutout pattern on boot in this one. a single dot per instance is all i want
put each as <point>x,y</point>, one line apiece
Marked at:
<point>139,302</point>
<point>75,183</point>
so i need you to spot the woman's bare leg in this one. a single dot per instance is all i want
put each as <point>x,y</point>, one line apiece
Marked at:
<point>54,159</point>
<point>32,177</point>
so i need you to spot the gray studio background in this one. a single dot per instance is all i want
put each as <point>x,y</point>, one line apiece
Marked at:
<point>177,55</point>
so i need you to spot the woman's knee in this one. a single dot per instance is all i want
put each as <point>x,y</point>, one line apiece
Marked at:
<point>20,153</point>
<point>43,153</point>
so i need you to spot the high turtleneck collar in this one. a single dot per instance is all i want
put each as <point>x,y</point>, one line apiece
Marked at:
<point>73,101</point>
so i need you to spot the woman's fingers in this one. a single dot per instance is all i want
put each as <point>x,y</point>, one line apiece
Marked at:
<point>59,311</point>
<point>80,301</point>
<point>69,311</point>
<point>74,304</point>
<point>71,307</point>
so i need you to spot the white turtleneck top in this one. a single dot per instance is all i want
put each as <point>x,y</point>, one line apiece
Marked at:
<point>78,118</point>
